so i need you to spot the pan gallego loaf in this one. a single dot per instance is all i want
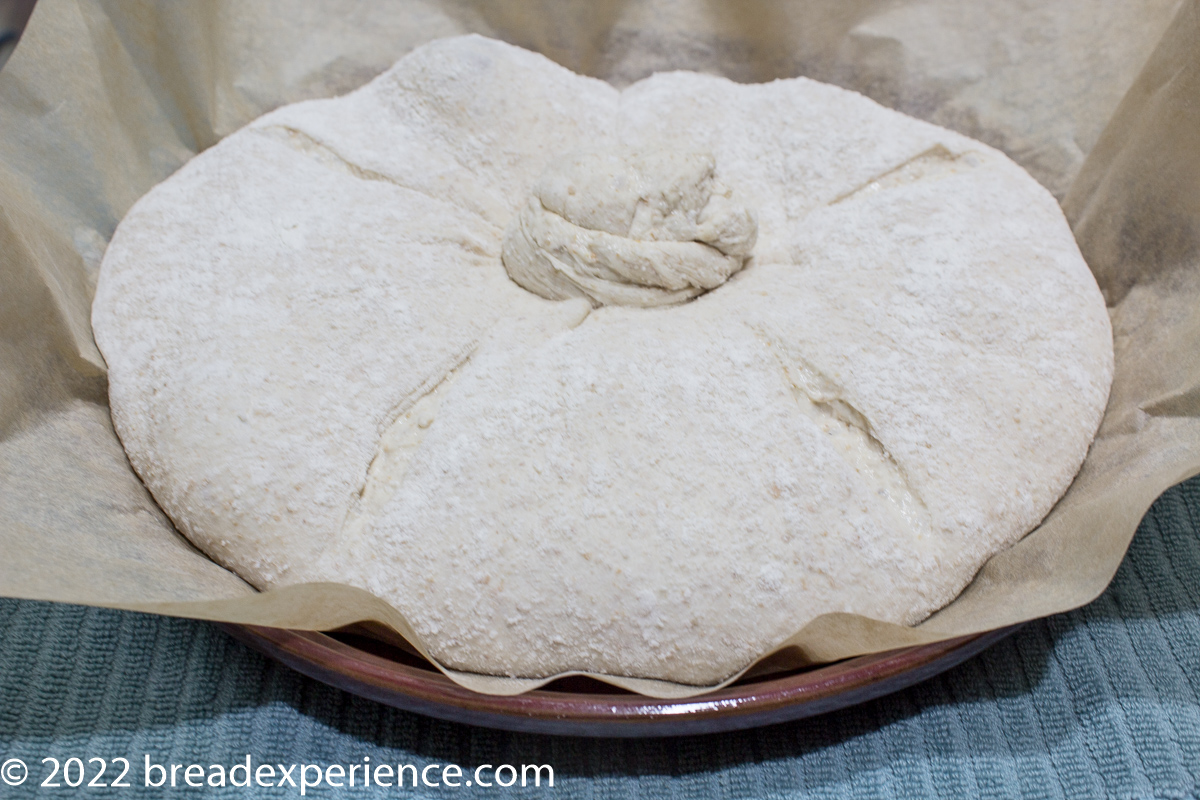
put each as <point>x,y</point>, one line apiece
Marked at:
<point>632,382</point>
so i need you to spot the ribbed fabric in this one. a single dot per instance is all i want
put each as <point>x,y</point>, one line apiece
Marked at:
<point>1100,702</point>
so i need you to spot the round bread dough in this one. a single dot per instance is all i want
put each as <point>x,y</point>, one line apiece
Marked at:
<point>783,352</point>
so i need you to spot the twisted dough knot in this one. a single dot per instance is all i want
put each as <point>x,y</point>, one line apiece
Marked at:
<point>647,228</point>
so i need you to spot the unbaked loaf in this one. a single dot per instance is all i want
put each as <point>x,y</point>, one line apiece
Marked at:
<point>789,352</point>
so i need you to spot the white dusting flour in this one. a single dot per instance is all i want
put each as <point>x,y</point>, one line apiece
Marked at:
<point>635,382</point>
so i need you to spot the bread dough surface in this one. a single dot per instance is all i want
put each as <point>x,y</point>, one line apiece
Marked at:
<point>624,227</point>
<point>782,352</point>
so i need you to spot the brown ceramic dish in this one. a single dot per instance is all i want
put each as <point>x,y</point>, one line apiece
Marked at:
<point>584,707</point>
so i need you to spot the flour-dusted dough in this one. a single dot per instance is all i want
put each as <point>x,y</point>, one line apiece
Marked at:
<point>626,227</point>
<point>322,370</point>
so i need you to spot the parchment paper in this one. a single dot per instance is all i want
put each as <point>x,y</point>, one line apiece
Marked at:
<point>101,100</point>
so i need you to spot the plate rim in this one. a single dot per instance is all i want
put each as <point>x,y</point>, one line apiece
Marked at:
<point>771,700</point>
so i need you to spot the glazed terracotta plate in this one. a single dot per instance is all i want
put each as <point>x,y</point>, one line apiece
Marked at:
<point>584,707</point>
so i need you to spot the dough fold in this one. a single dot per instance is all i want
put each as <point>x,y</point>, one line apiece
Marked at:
<point>647,228</point>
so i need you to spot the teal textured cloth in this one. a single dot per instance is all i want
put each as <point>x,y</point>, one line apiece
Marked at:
<point>1100,702</point>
